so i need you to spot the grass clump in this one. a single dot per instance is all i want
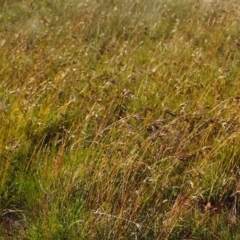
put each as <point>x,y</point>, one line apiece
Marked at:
<point>119,119</point>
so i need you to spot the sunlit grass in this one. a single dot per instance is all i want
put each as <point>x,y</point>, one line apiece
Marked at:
<point>119,119</point>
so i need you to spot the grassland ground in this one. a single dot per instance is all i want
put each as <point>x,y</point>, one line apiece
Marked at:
<point>119,119</point>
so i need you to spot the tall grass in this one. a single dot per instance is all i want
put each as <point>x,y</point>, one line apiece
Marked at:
<point>119,119</point>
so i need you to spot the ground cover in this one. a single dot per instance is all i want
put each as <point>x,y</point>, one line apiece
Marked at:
<point>119,119</point>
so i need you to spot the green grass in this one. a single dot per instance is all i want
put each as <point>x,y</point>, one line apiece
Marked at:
<point>119,119</point>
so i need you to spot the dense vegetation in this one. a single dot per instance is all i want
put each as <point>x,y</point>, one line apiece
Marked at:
<point>119,119</point>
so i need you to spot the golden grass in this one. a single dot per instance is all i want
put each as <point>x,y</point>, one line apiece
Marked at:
<point>119,119</point>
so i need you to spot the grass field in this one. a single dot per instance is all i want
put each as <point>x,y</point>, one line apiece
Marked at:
<point>119,119</point>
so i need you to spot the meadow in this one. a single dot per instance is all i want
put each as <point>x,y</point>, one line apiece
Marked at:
<point>119,119</point>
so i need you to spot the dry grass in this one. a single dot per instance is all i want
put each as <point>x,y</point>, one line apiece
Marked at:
<point>119,119</point>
